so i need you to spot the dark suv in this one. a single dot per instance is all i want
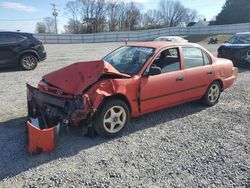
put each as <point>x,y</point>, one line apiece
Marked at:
<point>20,49</point>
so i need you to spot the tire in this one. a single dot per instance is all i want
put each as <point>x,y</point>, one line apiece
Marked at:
<point>212,95</point>
<point>28,62</point>
<point>108,126</point>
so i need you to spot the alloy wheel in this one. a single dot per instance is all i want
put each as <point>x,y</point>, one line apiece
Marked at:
<point>213,93</point>
<point>29,62</point>
<point>114,119</point>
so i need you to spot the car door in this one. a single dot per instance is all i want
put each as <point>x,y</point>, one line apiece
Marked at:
<point>8,49</point>
<point>199,71</point>
<point>165,89</point>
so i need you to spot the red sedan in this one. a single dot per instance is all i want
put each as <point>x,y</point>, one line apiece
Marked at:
<point>133,80</point>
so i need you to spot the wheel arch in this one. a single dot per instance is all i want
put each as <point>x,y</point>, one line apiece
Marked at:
<point>98,126</point>
<point>221,84</point>
<point>119,97</point>
<point>27,52</point>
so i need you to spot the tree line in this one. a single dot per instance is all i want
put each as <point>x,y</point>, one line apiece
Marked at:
<point>234,11</point>
<point>91,16</point>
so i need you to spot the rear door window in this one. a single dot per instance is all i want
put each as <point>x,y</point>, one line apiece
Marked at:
<point>4,38</point>
<point>195,57</point>
<point>206,59</point>
<point>9,38</point>
<point>20,38</point>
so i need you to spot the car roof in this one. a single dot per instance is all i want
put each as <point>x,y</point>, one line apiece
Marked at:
<point>161,44</point>
<point>243,33</point>
<point>167,36</point>
<point>18,33</point>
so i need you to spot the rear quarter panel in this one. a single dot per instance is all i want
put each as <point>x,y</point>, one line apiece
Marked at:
<point>224,71</point>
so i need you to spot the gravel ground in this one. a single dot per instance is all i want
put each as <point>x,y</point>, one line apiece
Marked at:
<point>185,146</point>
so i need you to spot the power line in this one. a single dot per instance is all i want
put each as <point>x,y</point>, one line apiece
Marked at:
<point>16,20</point>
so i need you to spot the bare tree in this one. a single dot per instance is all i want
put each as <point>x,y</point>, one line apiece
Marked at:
<point>99,15</point>
<point>116,15</point>
<point>191,16</point>
<point>151,19</point>
<point>121,15</point>
<point>132,17</point>
<point>72,25</point>
<point>112,14</point>
<point>73,9</point>
<point>172,12</point>
<point>40,27</point>
<point>88,16</point>
<point>50,25</point>
<point>46,26</point>
<point>96,15</point>
<point>93,14</point>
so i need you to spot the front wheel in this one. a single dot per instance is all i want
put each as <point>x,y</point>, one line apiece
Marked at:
<point>112,118</point>
<point>213,94</point>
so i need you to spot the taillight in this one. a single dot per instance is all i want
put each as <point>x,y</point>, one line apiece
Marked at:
<point>43,84</point>
<point>235,71</point>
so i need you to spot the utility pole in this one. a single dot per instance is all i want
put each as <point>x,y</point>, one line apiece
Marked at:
<point>55,14</point>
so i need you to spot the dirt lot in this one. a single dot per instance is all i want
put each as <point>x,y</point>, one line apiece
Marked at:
<point>185,146</point>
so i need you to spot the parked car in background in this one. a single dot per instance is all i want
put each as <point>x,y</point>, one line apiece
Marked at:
<point>133,80</point>
<point>171,39</point>
<point>237,49</point>
<point>20,49</point>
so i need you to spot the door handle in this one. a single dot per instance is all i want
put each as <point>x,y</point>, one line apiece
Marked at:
<point>180,79</point>
<point>209,73</point>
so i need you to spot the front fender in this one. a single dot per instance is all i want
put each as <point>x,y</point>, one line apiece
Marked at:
<point>125,89</point>
<point>108,88</point>
<point>99,91</point>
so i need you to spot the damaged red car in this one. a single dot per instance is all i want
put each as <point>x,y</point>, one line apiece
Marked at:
<point>133,80</point>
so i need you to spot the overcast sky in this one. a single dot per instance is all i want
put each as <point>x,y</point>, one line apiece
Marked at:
<point>23,14</point>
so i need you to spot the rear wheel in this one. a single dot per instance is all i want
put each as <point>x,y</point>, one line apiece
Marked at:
<point>28,62</point>
<point>213,94</point>
<point>112,118</point>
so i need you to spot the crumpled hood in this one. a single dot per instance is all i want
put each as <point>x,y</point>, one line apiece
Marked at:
<point>75,78</point>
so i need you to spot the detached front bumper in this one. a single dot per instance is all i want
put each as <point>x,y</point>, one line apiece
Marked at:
<point>48,113</point>
<point>41,140</point>
<point>41,136</point>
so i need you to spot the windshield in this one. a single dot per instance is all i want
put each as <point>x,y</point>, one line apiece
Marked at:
<point>240,39</point>
<point>129,59</point>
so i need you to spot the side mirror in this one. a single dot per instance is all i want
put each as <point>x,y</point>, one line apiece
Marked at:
<point>226,41</point>
<point>154,71</point>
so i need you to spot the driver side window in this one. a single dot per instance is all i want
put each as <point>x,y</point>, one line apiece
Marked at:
<point>168,60</point>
